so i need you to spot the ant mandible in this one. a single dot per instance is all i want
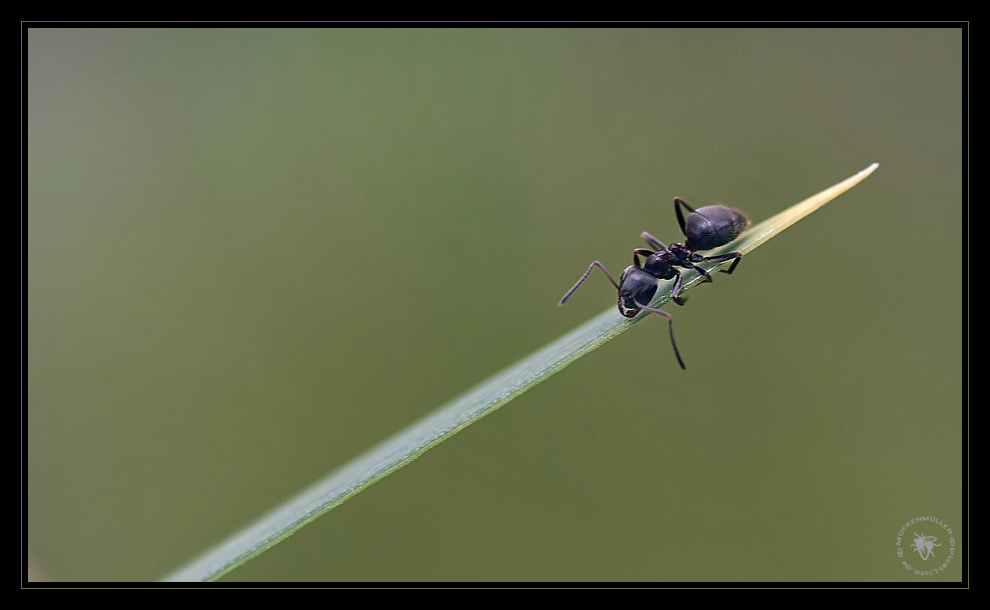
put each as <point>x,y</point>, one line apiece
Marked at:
<point>705,228</point>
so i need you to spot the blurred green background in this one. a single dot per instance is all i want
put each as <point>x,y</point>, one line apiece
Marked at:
<point>254,253</point>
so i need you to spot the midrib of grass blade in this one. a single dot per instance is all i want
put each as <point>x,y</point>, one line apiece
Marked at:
<point>405,446</point>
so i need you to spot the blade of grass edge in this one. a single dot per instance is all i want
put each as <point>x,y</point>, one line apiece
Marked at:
<point>408,444</point>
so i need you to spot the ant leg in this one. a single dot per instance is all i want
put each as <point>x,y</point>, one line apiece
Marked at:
<point>653,241</point>
<point>689,265</point>
<point>585,276</point>
<point>676,291</point>
<point>678,202</point>
<point>721,258</point>
<point>670,325</point>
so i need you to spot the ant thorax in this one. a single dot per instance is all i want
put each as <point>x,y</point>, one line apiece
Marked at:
<point>661,264</point>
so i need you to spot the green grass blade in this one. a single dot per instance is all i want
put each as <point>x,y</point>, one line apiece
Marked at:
<point>397,451</point>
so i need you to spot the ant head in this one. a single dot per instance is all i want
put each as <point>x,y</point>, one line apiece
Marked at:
<point>636,288</point>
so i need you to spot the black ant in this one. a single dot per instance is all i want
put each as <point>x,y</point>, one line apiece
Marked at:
<point>705,228</point>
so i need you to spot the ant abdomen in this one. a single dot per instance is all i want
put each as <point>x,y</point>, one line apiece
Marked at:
<point>710,226</point>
